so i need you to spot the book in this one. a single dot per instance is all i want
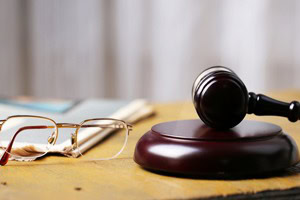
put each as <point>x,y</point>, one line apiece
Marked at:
<point>73,112</point>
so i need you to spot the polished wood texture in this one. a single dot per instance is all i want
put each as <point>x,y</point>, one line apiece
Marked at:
<point>220,97</point>
<point>221,100</point>
<point>122,178</point>
<point>263,105</point>
<point>189,147</point>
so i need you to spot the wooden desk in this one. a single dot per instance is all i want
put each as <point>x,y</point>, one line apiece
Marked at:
<point>57,177</point>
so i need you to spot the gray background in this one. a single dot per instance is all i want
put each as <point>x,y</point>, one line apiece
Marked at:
<point>151,49</point>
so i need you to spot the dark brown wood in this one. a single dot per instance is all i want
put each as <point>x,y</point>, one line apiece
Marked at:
<point>263,105</point>
<point>220,97</point>
<point>222,100</point>
<point>190,147</point>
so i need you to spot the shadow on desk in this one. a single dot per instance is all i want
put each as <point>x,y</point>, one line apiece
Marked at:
<point>292,193</point>
<point>291,171</point>
<point>278,194</point>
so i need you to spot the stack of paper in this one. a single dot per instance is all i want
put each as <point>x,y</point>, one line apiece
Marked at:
<point>76,112</point>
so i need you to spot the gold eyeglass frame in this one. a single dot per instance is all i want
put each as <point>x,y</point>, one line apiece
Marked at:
<point>53,137</point>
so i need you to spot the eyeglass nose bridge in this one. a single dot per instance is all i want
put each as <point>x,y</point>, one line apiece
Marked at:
<point>73,134</point>
<point>67,125</point>
<point>51,138</point>
<point>73,139</point>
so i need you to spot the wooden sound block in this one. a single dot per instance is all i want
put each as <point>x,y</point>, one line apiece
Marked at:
<point>189,147</point>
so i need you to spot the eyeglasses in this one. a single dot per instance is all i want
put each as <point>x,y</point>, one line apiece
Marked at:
<point>27,137</point>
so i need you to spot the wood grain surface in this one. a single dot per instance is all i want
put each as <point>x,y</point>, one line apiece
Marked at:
<point>57,177</point>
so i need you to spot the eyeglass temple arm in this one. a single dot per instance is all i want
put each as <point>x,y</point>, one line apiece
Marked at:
<point>6,154</point>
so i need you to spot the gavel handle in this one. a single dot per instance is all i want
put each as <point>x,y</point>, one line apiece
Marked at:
<point>263,105</point>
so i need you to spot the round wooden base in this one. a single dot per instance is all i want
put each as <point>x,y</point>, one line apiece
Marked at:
<point>189,147</point>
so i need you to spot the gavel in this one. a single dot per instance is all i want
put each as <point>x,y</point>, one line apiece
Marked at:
<point>221,100</point>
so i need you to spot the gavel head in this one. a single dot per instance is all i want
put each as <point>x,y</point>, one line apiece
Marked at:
<point>220,97</point>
